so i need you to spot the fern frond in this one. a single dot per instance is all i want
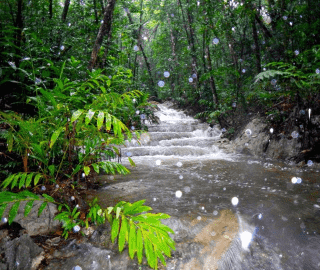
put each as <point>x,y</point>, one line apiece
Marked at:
<point>15,199</point>
<point>21,179</point>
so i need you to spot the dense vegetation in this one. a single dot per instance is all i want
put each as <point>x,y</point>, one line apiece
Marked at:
<point>76,77</point>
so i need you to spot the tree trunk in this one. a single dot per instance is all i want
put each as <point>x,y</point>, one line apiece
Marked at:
<point>50,9</point>
<point>173,49</point>
<point>65,10</point>
<point>212,83</point>
<point>140,44</point>
<point>257,46</point>
<point>105,30</point>
<point>95,11</point>
<point>19,25</point>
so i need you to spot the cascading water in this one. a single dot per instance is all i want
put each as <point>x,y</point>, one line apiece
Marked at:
<point>228,211</point>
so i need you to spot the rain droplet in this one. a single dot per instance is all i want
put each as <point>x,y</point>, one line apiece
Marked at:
<point>260,216</point>
<point>172,15</point>
<point>246,238</point>
<point>190,80</point>
<point>234,201</point>
<point>129,154</point>
<point>285,18</point>
<point>317,70</point>
<point>77,267</point>
<point>101,21</point>
<point>187,189</point>
<point>223,130</point>
<point>180,176</point>
<point>143,116</point>
<point>224,188</point>
<point>194,76</point>
<point>76,228</point>
<point>264,69</point>
<point>198,3</point>
<point>77,206</point>
<point>158,162</point>
<point>57,186</point>
<point>161,83</point>
<point>244,70</point>
<point>309,163</point>
<point>37,81</point>
<point>43,188</point>
<point>248,132</point>
<point>299,180</point>
<point>309,113</point>
<point>296,52</point>
<point>233,28</point>
<point>291,23</point>
<point>132,128</point>
<point>136,48</point>
<point>198,218</point>
<point>215,41</point>
<point>13,65</point>
<point>72,198</point>
<point>295,134</point>
<point>69,24</point>
<point>302,112</point>
<point>154,199</point>
<point>137,112</point>
<point>215,213</point>
<point>273,81</point>
<point>62,48</point>
<point>234,105</point>
<point>4,220</point>
<point>271,130</point>
<point>240,60</point>
<point>179,164</point>
<point>26,59</point>
<point>294,180</point>
<point>83,175</point>
<point>178,194</point>
<point>166,74</point>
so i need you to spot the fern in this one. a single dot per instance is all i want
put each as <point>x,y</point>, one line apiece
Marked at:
<point>271,74</point>
<point>140,231</point>
<point>21,179</point>
<point>15,199</point>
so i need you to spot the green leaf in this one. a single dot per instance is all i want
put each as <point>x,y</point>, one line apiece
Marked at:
<point>139,245</point>
<point>89,116</point>
<point>123,233</point>
<point>8,180</point>
<point>131,162</point>
<point>13,212</point>
<point>51,169</point>
<point>3,208</point>
<point>41,208</point>
<point>49,198</point>
<point>10,141</point>
<point>37,178</point>
<point>132,240</point>
<point>28,207</point>
<point>76,115</point>
<point>22,180</point>
<point>148,248</point>
<point>100,120</point>
<point>96,167</point>
<point>15,180</point>
<point>115,229</point>
<point>29,179</point>
<point>55,136</point>
<point>86,170</point>
<point>118,210</point>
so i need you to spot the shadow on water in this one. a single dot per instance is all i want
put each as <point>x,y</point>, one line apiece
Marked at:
<point>274,225</point>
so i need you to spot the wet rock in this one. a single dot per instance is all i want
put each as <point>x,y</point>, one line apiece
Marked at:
<point>20,253</point>
<point>33,224</point>
<point>259,142</point>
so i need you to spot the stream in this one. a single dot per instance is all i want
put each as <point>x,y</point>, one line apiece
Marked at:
<point>229,211</point>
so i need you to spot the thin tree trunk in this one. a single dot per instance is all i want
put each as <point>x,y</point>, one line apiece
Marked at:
<point>173,49</point>
<point>257,46</point>
<point>65,10</point>
<point>95,11</point>
<point>140,45</point>
<point>50,9</point>
<point>105,30</point>
<point>19,25</point>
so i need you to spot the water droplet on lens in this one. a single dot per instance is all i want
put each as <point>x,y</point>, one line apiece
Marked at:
<point>299,180</point>
<point>178,194</point>
<point>190,80</point>
<point>260,216</point>
<point>179,164</point>
<point>166,74</point>
<point>194,76</point>
<point>317,70</point>
<point>234,201</point>
<point>246,238</point>
<point>223,130</point>
<point>43,188</point>
<point>181,177</point>
<point>72,198</point>
<point>248,132</point>
<point>158,162</point>
<point>291,23</point>
<point>294,180</point>
<point>62,48</point>
<point>244,71</point>
<point>198,218</point>
<point>309,163</point>
<point>76,228</point>
<point>273,81</point>
<point>136,48</point>
<point>154,199</point>
<point>4,220</point>
<point>224,188</point>
<point>215,40</point>
<point>271,130</point>
<point>187,189</point>
<point>37,81</point>
<point>137,112</point>
<point>285,18</point>
<point>77,267</point>
<point>132,128</point>
<point>234,104</point>
<point>101,21</point>
<point>161,83</point>
<point>264,69</point>
<point>172,15</point>
<point>295,134</point>
<point>215,212</point>
<point>129,154</point>
<point>296,52</point>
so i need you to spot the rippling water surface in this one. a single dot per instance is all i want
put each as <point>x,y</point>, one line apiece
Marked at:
<point>180,171</point>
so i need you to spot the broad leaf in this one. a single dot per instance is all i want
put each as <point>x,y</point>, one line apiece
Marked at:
<point>55,136</point>
<point>89,116</point>
<point>100,120</point>
<point>42,207</point>
<point>123,233</point>
<point>115,229</point>
<point>76,115</point>
<point>28,207</point>
<point>86,170</point>
<point>13,212</point>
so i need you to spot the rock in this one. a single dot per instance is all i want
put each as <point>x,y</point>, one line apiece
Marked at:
<point>33,224</point>
<point>21,253</point>
<point>261,143</point>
